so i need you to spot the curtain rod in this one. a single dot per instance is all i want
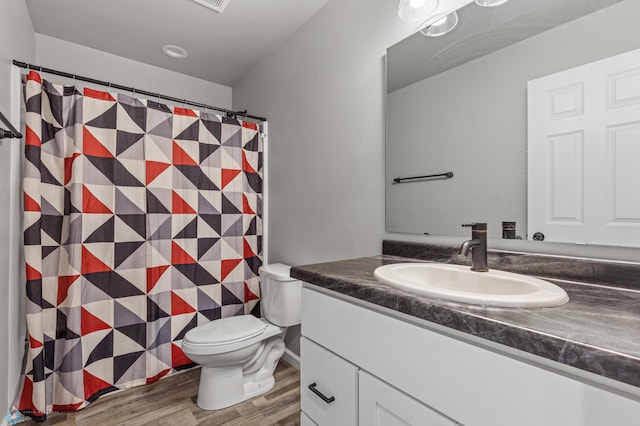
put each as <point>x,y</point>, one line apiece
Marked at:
<point>228,112</point>
<point>12,133</point>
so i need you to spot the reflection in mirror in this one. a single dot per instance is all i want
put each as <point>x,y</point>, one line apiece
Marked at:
<point>458,103</point>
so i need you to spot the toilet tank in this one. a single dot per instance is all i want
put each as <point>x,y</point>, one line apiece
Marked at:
<point>280,295</point>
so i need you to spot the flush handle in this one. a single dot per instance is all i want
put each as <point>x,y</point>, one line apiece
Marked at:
<point>312,388</point>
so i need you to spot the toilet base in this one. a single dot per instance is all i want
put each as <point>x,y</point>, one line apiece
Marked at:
<point>222,387</point>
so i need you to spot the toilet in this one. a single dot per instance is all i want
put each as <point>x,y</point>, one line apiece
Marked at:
<point>239,354</point>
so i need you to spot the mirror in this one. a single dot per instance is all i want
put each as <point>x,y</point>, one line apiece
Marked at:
<point>458,103</point>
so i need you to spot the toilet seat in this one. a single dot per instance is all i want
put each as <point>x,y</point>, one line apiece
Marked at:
<point>203,341</point>
<point>226,331</point>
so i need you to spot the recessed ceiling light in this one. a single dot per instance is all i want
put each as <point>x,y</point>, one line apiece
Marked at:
<point>441,26</point>
<point>490,3</point>
<point>174,51</point>
<point>415,10</point>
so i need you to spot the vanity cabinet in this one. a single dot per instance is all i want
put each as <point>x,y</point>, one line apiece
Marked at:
<point>387,369</point>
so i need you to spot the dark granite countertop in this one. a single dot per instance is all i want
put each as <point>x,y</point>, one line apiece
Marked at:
<point>598,330</point>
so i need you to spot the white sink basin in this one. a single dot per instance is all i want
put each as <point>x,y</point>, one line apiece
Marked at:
<point>460,284</point>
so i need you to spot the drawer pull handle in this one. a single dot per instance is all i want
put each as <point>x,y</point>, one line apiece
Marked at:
<point>312,388</point>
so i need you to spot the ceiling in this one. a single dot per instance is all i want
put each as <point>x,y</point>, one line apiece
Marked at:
<point>222,47</point>
<point>481,31</point>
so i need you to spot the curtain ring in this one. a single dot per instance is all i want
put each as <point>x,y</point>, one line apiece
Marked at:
<point>158,98</point>
<point>75,82</point>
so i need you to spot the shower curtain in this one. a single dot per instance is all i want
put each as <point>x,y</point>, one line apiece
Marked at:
<point>140,223</point>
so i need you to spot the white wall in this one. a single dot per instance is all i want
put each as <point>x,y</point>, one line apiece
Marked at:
<point>323,94</point>
<point>74,58</point>
<point>16,42</point>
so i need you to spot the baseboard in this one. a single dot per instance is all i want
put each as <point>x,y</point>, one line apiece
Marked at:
<point>291,358</point>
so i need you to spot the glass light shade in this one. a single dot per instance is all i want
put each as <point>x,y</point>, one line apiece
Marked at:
<point>441,26</point>
<point>416,10</point>
<point>490,3</point>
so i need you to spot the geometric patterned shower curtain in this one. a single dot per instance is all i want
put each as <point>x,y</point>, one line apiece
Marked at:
<point>140,223</point>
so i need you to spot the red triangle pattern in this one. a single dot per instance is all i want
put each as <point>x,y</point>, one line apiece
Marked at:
<point>92,146</point>
<point>245,164</point>
<point>68,167</point>
<point>227,266</point>
<point>178,358</point>
<point>248,125</point>
<point>228,175</point>
<point>154,168</point>
<point>31,138</point>
<point>158,376</point>
<point>180,157</point>
<point>179,256</point>
<point>246,208</point>
<point>26,401</point>
<point>90,323</point>
<point>248,294</point>
<point>153,276</point>
<point>64,283</point>
<point>34,76</point>
<point>184,111</point>
<point>247,252</point>
<point>179,306</point>
<point>91,264</point>
<point>93,385</point>
<point>91,204</point>
<point>180,206</point>
<point>97,94</point>
<point>30,205</point>
<point>34,344</point>
<point>67,407</point>
<point>33,273</point>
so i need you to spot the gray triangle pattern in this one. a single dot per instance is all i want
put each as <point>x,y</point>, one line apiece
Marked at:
<point>47,209</point>
<point>91,293</point>
<point>134,152</point>
<point>163,247</point>
<point>92,175</point>
<point>72,360</point>
<point>162,331</point>
<point>162,232</point>
<point>75,231</point>
<point>163,128</point>
<point>179,281</point>
<point>232,310</point>
<point>205,207</point>
<point>133,261</point>
<point>123,316</point>
<point>235,229</point>
<point>125,206</point>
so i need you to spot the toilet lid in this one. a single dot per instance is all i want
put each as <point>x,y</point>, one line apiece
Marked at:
<point>226,330</point>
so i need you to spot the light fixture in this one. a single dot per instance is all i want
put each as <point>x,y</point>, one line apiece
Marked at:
<point>416,10</point>
<point>441,26</point>
<point>174,51</point>
<point>490,3</point>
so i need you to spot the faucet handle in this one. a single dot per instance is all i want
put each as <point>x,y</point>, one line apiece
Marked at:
<point>480,226</point>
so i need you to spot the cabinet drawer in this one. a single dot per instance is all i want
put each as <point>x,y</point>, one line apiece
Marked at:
<point>305,420</point>
<point>380,404</point>
<point>334,378</point>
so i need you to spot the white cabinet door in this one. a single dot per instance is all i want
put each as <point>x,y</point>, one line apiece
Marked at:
<point>328,386</point>
<point>383,405</point>
<point>584,152</point>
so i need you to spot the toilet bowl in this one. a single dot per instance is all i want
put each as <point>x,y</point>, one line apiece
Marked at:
<point>239,354</point>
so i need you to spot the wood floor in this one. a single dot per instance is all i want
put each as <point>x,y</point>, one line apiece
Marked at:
<point>172,401</point>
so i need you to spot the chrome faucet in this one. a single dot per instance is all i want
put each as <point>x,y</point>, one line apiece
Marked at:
<point>478,246</point>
